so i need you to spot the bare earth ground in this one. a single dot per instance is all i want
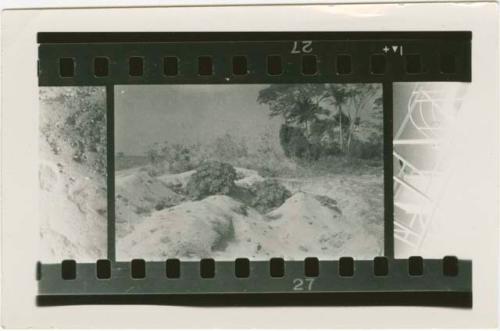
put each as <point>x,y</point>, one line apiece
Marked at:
<point>154,222</point>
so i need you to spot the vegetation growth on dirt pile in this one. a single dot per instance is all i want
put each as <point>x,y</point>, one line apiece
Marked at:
<point>210,178</point>
<point>269,194</point>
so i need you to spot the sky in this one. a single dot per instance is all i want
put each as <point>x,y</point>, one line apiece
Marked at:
<point>145,114</point>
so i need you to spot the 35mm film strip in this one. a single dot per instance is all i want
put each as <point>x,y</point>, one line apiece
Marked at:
<point>245,163</point>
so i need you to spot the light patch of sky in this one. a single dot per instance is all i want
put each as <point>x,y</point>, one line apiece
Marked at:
<point>189,114</point>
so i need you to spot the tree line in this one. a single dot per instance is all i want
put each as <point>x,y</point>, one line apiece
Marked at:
<point>325,119</point>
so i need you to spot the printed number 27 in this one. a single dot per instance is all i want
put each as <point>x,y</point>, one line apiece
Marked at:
<point>302,47</point>
<point>300,284</point>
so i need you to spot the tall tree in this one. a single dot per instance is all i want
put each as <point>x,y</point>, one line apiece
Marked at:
<point>361,99</point>
<point>339,94</point>
<point>297,104</point>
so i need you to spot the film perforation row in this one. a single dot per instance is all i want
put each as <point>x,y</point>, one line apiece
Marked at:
<point>242,268</point>
<point>343,65</point>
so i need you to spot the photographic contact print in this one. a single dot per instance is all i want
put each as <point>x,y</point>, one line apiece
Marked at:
<point>319,165</point>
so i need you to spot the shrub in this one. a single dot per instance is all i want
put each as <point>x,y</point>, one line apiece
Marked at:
<point>269,194</point>
<point>211,177</point>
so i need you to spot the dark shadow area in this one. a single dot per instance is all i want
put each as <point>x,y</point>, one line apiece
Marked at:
<point>90,37</point>
<point>434,299</point>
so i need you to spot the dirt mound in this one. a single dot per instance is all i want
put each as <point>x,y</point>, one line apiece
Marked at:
<point>314,225</point>
<point>190,230</point>
<point>73,217</point>
<point>224,228</point>
<point>138,195</point>
<point>304,206</point>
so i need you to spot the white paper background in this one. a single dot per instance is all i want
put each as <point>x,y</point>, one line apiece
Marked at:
<point>140,3</point>
<point>476,197</point>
